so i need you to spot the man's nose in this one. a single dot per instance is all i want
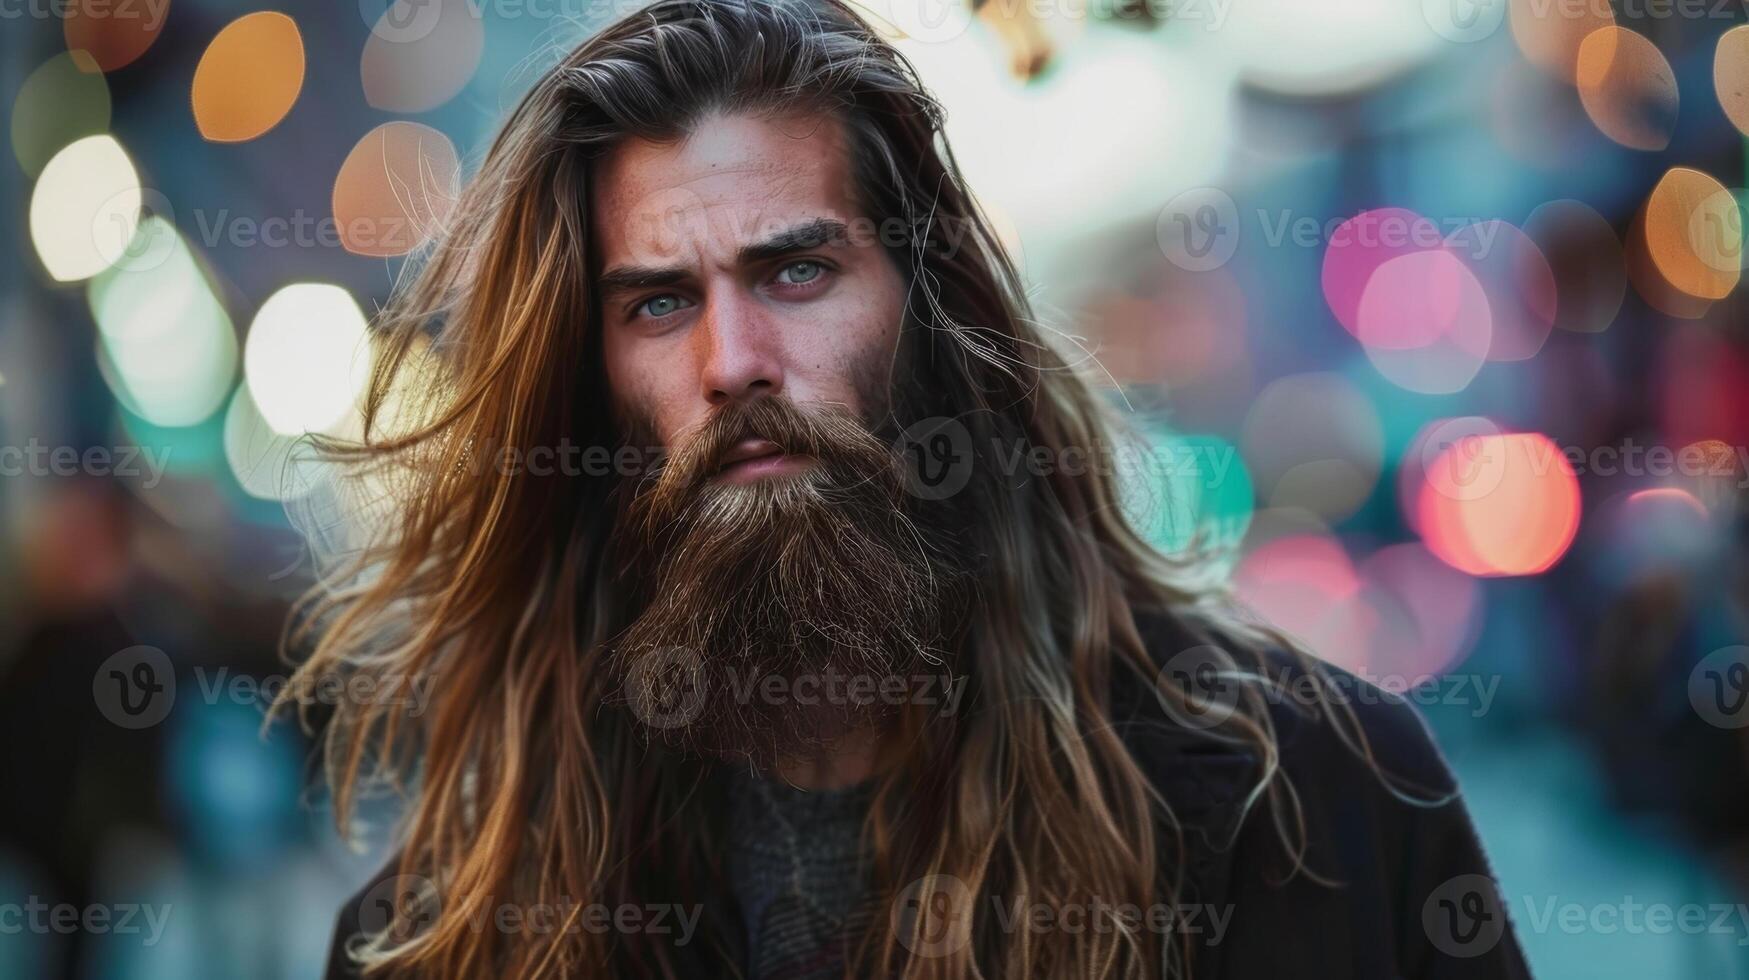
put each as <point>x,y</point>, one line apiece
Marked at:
<point>742,357</point>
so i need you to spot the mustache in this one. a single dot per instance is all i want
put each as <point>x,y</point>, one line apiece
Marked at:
<point>846,451</point>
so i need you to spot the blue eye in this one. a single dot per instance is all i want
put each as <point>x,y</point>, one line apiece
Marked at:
<point>661,306</point>
<point>800,273</point>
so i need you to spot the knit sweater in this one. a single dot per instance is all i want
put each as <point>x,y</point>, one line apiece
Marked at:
<point>796,870</point>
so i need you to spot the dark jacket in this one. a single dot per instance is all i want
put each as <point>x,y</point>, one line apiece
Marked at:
<point>1413,897</point>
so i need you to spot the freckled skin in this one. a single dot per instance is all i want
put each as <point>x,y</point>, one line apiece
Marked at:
<point>807,324</point>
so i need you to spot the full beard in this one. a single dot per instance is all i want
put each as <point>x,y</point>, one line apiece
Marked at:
<point>773,618</point>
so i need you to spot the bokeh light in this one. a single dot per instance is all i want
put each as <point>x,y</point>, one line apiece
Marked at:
<point>1428,460</point>
<point>170,347</point>
<point>1507,504</point>
<point>1302,582</point>
<point>1694,233</point>
<point>1313,441</point>
<point>1655,532</point>
<point>1731,76</point>
<point>249,77</point>
<point>1628,88</point>
<point>266,462</point>
<point>1649,281</point>
<point>395,189</point>
<point>1550,37</point>
<point>1585,258</point>
<point>421,53</point>
<point>1187,493</point>
<point>1703,384</point>
<point>306,358</point>
<point>1429,613</point>
<point>1519,284</point>
<point>1361,244</point>
<point>1425,322</point>
<point>114,34</point>
<point>65,99</point>
<point>85,208</point>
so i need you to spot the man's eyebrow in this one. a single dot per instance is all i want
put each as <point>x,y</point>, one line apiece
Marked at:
<point>808,234</point>
<point>627,278</point>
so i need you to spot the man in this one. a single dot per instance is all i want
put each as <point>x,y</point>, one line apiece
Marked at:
<point>776,602</point>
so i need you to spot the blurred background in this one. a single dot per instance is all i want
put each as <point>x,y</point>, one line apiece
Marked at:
<point>1433,309</point>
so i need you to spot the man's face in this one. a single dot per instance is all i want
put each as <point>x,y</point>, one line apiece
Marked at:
<point>750,331</point>
<point>728,274</point>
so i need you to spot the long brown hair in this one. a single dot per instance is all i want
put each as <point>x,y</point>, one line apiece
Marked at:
<point>533,786</point>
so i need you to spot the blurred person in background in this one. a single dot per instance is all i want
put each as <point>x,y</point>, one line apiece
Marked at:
<point>724,244</point>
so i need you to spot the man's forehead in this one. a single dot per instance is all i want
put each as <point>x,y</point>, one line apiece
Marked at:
<point>735,178</point>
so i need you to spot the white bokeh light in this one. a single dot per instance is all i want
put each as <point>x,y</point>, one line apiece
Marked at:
<point>85,208</point>
<point>306,358</point>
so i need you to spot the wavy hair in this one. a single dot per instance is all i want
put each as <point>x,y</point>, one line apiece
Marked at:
<point>529,783</point>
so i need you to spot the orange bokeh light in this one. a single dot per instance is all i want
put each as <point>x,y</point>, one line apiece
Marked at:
<point>1518,516</point>
<point>1627,88</point>
<point>1692,233</point>
<point>112,35</point>
<point>248,78</point>
<point>396,188</point>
